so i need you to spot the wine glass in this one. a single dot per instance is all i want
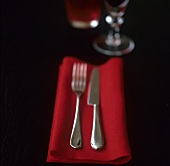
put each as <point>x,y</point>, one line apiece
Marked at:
<point>83,14</point>
<point>114,43</point>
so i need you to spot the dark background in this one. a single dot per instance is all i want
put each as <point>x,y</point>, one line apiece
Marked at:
<point>35,36</point>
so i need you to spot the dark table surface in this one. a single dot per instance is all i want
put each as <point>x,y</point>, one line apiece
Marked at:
<point>35,37</point>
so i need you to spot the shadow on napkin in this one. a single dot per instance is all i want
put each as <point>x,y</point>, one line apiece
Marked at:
<point>112,115</point>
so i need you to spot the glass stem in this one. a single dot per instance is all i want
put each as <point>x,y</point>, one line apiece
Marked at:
<point>113,36</point>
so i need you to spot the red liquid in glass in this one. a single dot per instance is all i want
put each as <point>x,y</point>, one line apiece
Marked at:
<point>116,8</point>
<point>83,10</point>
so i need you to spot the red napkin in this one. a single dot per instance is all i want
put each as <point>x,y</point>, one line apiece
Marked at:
<point>112,115</point>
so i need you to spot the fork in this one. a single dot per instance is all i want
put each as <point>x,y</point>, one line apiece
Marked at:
<point>78,85</point>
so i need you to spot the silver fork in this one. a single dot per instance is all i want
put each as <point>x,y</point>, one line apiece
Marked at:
<point>78,85</point>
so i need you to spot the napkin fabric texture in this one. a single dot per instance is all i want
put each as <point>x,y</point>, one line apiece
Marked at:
<point>112,116</point>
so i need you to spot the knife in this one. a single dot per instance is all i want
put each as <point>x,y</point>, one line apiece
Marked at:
<point>93,99</point>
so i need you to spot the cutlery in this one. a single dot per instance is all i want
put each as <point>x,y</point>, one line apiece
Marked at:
<point>78,85</point>
<point>93,99</point>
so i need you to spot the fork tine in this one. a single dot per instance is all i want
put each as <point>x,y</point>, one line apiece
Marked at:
<point>73,75</point>
<point>84,75</point>
<point>78,75</point>
<point>81,76</point>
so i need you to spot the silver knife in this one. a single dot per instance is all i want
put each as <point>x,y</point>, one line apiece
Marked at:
<point>93,99</point>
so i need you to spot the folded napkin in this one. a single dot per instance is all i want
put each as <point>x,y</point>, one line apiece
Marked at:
<point>112,115</point>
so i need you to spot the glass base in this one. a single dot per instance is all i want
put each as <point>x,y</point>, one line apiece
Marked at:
<point>126,46</point>
<point>84,24</point>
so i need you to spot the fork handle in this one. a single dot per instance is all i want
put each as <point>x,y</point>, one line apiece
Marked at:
<point>96,136</point>
<point>76,138</point>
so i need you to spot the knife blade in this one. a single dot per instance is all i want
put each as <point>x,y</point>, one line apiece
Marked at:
<point>93,99</point>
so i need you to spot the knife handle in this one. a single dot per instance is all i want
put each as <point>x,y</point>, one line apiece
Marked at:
<point>76,138</point>
<point>96,136</point>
